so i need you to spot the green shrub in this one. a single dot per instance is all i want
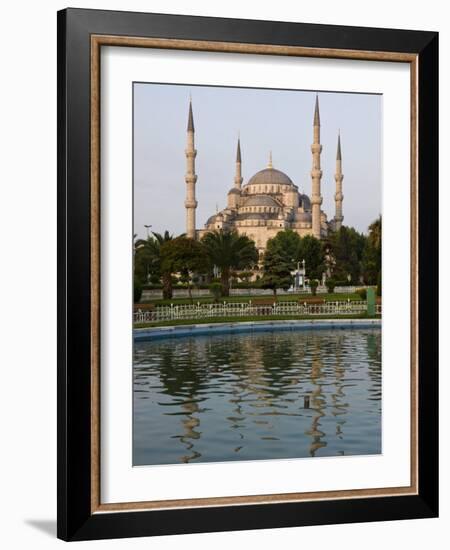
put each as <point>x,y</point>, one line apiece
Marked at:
<point>253,284</point>
<point>313,284</point>
<point>362,293</point>
<point>341,282</point>
<point>216,290</point>
<point>331,283</point>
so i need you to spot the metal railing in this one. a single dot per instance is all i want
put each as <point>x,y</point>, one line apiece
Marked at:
<point>249,309</point>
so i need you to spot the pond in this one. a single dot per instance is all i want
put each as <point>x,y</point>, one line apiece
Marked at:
<point>254,396</point>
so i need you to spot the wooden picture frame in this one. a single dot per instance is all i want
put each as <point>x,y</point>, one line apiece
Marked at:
<point>81,35</point>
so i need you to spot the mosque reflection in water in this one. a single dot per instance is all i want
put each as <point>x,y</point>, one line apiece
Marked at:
<point>257,396</point>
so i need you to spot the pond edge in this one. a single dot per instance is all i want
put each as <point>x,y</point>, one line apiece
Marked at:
<point>152,333</point>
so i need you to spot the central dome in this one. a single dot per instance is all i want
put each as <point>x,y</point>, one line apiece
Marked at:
<point>270,176</point>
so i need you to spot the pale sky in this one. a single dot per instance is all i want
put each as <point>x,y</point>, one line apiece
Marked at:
<point>267,120</point>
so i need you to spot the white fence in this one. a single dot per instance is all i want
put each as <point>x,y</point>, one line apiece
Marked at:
<point>248,309</point>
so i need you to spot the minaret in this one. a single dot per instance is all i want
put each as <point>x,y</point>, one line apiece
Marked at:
<point>190,203</point>
<point>316,173</point>
<point>238,177</point>
<point>338,197</point>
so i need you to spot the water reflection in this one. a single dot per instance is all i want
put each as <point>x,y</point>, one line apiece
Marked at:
<point>242,397</point>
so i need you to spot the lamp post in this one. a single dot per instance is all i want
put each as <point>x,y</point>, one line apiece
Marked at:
<point>299,275</point>
<point>295,275</point>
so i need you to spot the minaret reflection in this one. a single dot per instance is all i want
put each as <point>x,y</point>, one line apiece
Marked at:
<point>373,341</point>
<point>340,407</point>
<point>261,389</point>
<point>318,400</point>
<point>252,392</point>
<point>183,377</point>
<point>190,435</point>
<point>239,390</point>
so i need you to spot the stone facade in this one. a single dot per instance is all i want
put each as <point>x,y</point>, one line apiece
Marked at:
<point>270,201</point>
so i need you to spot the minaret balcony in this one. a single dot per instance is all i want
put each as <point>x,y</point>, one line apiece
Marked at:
<point>316,174</point>
<point>316,148</point>
<point>190,203</point>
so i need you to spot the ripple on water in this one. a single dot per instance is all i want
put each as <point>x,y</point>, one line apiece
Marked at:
<point>242,396</point>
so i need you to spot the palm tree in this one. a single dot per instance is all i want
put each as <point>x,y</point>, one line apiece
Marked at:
<point>229,251</point>
<point>150,250</point>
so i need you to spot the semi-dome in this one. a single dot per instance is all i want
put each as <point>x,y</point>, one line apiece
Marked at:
<point>261,200</point>
<point>270,176</point>
<point>305,201</point>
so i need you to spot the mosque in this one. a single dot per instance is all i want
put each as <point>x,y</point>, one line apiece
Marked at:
<point>270,201</point>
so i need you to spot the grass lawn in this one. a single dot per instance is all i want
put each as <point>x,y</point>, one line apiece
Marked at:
<point>250,318</point>
<point>341,297</point>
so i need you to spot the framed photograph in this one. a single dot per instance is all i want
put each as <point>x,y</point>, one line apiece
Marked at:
<point>248,295</point>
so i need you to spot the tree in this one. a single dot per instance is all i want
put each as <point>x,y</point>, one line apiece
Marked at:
<point>184,256</point>
<point>227,250</point>
<point>312,251</point>
<point>331,283</point>
<point>313,284</point>
<point>371,260</point>
<point>216,290</point>
<point>148,261</point>
<point>277,270</point>
<point>375,233</point>
<point>346,247</point>
<point>142,260</point>
<point>289,248</point>
<point>137,290</point>
<point>287,243</point>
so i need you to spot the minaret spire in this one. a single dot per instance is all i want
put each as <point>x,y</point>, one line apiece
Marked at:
<point>316,173</point>
<point>338,197</point>
<point>190,126</point>
<point>316,112</point>
<point>190,203</point>
<point>238,177</point>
